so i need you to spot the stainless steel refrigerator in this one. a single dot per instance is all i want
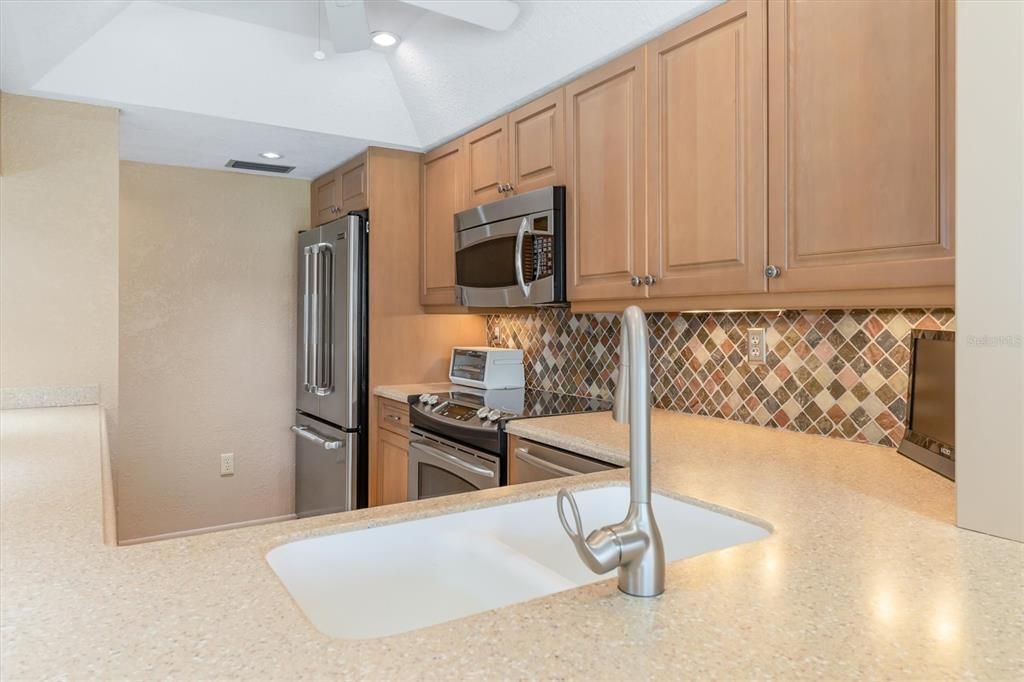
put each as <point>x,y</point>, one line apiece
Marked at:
<point>331,460</point>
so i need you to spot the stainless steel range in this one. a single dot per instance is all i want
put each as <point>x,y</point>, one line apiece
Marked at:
<point>457,442</point>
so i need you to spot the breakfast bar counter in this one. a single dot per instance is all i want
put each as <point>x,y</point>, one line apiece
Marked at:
<point>864,575</point>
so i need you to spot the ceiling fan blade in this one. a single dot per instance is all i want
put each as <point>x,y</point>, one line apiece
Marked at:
<point>496,15</point>
<point>347,21</point>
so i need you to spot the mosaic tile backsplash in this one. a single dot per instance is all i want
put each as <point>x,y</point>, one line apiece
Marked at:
<point>837,373</point>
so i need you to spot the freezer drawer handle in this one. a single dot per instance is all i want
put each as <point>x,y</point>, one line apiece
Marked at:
<point>524,454</point>
<point>309,434</point>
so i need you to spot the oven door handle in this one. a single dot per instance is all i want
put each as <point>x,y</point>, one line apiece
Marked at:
<point>452,459</point>
<point>524,227</point>
<point>524,455</point>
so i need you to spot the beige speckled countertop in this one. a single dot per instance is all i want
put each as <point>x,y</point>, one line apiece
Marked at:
<point>865,576</point>
<point>401,392</point>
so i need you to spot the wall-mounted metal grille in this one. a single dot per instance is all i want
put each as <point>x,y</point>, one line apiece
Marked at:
<point>262,167</point>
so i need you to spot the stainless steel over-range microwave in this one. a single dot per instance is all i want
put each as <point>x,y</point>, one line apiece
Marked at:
<point>511,253</point>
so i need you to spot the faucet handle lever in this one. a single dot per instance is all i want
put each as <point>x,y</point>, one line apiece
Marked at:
<point>575,534</point>
<point>601,550</point>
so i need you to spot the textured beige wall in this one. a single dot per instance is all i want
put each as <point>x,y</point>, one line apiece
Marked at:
<point>58,245</point>
<point>989,267</point>
<point>207,347</point>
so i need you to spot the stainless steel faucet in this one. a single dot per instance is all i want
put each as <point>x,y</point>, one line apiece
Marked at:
<point>634,544</point>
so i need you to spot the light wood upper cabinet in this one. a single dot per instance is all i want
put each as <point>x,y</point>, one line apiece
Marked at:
<point>605,180</point>
<point>352,181</point>
<point>324,202</point>
<point>537,143</point>
<point>443,195</point>
<point>706,153</point>
<point>806,138</point>
<point>516,153</point>
<point>334,194</point>
<point>861,144</point>
<point>486,151</point>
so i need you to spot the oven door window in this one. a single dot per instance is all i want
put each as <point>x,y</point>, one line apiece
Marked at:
<point>434,481</point>
<point>487,264</point>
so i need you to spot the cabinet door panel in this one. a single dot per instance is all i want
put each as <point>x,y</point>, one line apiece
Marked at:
<point>324,200</point>
<point>393,460</point>
<point>861,138</point>
<point>352,179</point>
<point>707,230</point>
<point>537,143</point>
<point>443,196</point>
<point>486,150</point>
<point>606,180</point>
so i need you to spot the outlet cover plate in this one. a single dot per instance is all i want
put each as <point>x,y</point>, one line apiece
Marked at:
<point>227,464</point>
<point>756,345</point>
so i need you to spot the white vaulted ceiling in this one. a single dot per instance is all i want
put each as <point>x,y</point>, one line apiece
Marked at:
<point>201,81</point>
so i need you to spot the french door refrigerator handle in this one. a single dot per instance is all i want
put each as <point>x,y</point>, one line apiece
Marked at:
<point>306,314</point>
<point>314,332</point>
<point>325,357</point>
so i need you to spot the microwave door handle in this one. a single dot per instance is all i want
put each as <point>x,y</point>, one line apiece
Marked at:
<point>520,237</point>
<point>452,459</point>
<point>524,455</point>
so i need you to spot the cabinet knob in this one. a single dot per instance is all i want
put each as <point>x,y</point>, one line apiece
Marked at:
<point>772,271</point>
<point>509,188</point>
<point>650,280</point>
<point>634,281</point>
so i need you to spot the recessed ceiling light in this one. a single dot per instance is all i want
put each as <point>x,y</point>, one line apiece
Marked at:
<point>319,55</point>
<point>383,38</point>
<point>270,155</point>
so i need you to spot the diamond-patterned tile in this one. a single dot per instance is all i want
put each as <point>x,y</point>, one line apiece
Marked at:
<point>839,373</point>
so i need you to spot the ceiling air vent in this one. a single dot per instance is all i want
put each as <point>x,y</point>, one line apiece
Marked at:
<point>262,167</point>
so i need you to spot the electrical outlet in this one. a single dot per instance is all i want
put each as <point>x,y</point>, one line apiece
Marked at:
<point>756,345</point>
<point>227,464</point>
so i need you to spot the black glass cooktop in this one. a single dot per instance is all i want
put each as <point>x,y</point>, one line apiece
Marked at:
<point>519,403</point>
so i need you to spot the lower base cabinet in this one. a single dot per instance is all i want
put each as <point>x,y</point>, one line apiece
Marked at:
<point>390,477</point>
<point>392,467</point>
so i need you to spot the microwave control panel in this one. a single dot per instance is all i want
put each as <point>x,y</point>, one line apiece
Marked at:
<point>543,257</point>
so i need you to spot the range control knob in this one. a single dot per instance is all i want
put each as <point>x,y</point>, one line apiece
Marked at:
<point>424,398</point>
<point>432,399</point>
<point>483,412</point>
<point>494,415</point>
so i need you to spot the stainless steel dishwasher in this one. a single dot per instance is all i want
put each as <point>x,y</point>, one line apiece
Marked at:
<point>536,462</point>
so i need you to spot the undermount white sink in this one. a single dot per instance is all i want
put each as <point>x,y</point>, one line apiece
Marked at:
<point>404,576</point>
